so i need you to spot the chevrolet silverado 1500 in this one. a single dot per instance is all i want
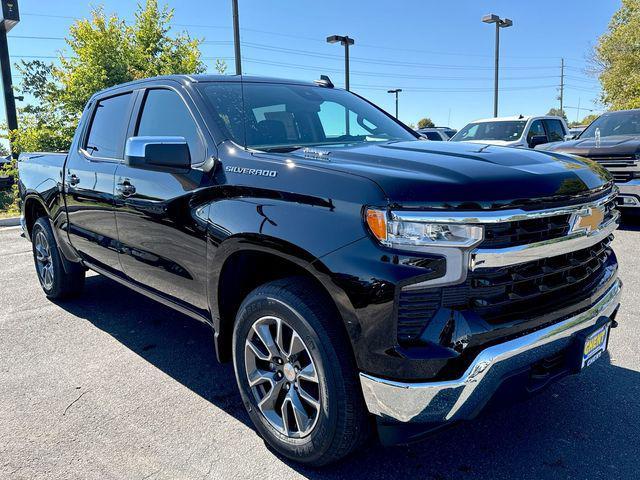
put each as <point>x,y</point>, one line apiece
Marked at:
<point>357,277</point>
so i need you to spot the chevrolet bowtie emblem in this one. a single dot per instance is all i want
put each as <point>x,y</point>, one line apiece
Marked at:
<point>588,221</point>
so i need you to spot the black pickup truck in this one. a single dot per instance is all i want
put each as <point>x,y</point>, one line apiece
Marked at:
<point>357,277</point>
<point>612,140</point>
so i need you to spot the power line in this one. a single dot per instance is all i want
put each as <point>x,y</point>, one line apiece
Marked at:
<point>317,40</point>
<point>389,75</point>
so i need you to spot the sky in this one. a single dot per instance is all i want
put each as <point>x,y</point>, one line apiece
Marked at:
<point>438,52</point>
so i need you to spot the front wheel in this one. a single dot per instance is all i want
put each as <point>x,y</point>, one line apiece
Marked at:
<point>296,373</point>
<point>59,278</point>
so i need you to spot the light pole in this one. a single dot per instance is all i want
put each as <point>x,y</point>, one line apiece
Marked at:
<point>396,91</point>
<point>500,23</point>
<point>236,37</point>
<point>344,41</point>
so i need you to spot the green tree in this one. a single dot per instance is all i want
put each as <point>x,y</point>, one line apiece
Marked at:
<point>589,118</point>
<point>585,121</point>
<point>104,51</point>
<point>556,112</point>
<point>221,66</point>
<point>425,123</point>
<point>617,58</point>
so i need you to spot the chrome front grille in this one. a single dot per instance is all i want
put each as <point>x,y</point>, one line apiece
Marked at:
<point>524,268</point>
<point>522,232</point>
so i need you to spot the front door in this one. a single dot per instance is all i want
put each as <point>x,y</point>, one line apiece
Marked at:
<point>162,241</point>
<point>89,182</point>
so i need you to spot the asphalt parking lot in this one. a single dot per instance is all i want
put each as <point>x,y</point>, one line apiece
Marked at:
<point>114,385</point>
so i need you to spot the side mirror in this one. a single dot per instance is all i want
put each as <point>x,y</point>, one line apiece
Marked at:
<point>538,140</point>
<point>157,153</point>
<point>569,136</point>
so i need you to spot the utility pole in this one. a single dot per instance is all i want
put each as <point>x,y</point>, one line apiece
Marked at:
<point>561,97</point>
<point>236,37</point>
<point>10,17</point>
<point>396,91</point>
<point>500,23</point>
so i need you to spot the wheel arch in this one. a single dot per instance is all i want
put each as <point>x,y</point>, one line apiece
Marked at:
<point>262,260</point>
<point>33,208</point>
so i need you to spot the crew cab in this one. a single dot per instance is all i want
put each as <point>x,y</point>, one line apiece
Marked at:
<point>357,277</point>
<point>612,140</point>
<point>518,131</point>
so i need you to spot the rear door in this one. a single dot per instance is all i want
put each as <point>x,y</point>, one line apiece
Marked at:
<point>90,177</point>
<point>162,241</point>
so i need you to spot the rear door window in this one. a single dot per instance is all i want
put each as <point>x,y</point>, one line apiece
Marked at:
<point>108,127</point>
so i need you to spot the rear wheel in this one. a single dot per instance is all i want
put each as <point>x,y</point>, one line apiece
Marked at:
<point>296,373</point>
<point>59,278</point>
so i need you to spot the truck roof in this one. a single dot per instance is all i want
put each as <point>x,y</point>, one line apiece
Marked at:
<point>200,78</point>
<point>515,117</point>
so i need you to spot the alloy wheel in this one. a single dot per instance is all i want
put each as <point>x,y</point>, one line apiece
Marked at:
<point>282,377</point>
<point>44,263</point>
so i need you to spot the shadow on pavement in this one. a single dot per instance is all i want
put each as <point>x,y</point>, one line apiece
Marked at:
<point>585,426</point>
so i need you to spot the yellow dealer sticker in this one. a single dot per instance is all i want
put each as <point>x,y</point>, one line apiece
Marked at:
<point>595,345</point>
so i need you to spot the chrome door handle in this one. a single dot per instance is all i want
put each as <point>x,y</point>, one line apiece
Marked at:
<point>125,188</point>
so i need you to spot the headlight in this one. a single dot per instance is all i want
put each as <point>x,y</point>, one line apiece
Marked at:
<point>399,233</point>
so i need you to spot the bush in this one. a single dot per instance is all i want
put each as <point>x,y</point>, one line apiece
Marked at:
<point>9,199</point>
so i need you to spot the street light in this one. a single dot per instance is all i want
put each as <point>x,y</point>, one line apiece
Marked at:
<point>344,41</point>
<point>396,91</point>
<point>500,23</point>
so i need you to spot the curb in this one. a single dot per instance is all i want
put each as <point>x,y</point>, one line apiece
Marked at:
<point>9,222</point>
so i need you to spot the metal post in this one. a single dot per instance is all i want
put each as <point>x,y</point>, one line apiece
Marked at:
<point>396,105</point>
<point>236,37</point>
<point>346,83</point>
<point>561,86</point>
<point>495,82</point>
<point>346,65</point>
<point>7,84</point>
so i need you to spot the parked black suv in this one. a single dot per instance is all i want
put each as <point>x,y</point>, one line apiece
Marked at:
<point>349,270</point>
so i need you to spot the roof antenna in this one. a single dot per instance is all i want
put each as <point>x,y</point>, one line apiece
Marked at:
<point>324,81</point>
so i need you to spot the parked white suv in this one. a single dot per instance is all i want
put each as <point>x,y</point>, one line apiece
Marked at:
<point>520,131</point>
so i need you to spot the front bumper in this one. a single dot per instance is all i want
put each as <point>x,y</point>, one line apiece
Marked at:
<point>451,400</point>
<point>629,196</point>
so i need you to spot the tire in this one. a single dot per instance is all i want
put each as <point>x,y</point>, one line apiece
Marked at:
<point>59,278</point>
<point>340,423</point>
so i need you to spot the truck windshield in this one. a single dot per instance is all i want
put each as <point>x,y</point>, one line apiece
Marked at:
<point>614,123</point>
<point>508,130</point>
<point>284,117</point>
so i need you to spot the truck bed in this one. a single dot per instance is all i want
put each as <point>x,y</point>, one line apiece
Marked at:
<point>40,171</point>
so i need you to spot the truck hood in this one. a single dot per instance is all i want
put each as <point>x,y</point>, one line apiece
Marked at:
<point>462,175</point>
<point>588,147</point>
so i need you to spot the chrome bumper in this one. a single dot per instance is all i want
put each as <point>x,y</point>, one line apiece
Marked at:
<point>630,193</point>
<point>462,398</point>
